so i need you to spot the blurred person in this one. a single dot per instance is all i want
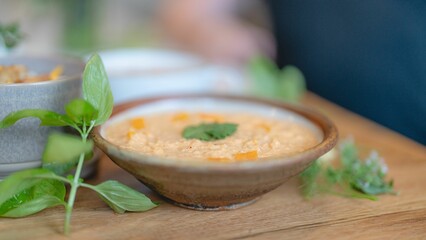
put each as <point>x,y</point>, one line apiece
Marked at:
<point>367,56</point>
<point>213,29</point>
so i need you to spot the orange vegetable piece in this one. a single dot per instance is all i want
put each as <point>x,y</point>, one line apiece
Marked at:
<point>130,134</point>
<point>218,159</point>
<point>137,123</point>
<point>265,127</point>
<point>252,155</point>
<point>180,117</point>
<point>56,73</point>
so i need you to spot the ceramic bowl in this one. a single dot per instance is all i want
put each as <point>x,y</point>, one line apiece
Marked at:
<point>21,145</point>
<point>147,72</point>
<point>216,185</point>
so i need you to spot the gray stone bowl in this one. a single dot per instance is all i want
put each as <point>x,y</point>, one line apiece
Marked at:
<point>22,145</point>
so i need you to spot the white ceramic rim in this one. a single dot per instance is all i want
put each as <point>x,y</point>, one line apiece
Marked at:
<point>9,168</point>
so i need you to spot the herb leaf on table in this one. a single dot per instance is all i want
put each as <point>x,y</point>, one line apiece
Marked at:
<point>121,198</point>
<point>47,193</point>
<point>354,177</point>
<point>30,191</point>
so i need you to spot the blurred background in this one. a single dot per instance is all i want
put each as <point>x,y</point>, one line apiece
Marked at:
<point>367,56</point>
<point>143,43</point>
<point>80,27</point>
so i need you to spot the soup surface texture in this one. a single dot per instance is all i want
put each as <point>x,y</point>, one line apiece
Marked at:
<point>256,137</point>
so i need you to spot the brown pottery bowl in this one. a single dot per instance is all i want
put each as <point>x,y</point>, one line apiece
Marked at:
<point>216,185</point>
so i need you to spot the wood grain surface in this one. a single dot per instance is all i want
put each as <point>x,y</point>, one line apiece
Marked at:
<point>280,214</point>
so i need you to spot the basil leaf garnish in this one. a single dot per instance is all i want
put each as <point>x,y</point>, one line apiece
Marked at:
<point>96,88</point>
<point>209,131</point>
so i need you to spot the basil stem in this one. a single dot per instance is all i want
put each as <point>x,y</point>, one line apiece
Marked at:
<point>76,181</point>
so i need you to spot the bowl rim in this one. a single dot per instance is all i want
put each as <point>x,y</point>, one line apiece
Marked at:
<point>330,136</point>
<point>195,63</point>
<point>68,59</point>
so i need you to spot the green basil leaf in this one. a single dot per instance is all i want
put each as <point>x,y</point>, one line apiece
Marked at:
<point>291,84</point>
<point>96,89</point>
<point>34,205</point>
<point>47,118</point>
<point>264,77</point>
<point>121,198</point>
<point>209,131</point>
<point>10,35</point>
<point>81,111</point>
<point>62,152</point>
<point>268,81</point>
<point>349,154</point>
<point>373,188</point>
<point>19,181</point>
<point>16,200</point>
<point>369,176</point>
<point>309,179</point>
<point>46,193</point>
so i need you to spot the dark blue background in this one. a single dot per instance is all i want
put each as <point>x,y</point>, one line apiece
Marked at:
<point>366,55</point>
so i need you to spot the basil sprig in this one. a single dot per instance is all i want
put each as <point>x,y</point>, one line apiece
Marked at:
<point>354,178</point>
<point>30,191</point>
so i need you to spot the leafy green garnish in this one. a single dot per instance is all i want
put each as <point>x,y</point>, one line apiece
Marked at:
<point>80,111</point>
<point>209,131</point>
<point>10,35</point>
<point>269,81</point>
<point>365,176</point>
<point>354,178</point>
<point>62,151</point>
<point>96,89</point>
<point>29,191</point>
<point>47,193</point>
<point>121,198</point>
<point>21,181</point>
<point>47,118</point>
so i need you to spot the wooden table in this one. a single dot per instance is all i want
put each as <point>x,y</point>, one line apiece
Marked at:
<point>280,214</point>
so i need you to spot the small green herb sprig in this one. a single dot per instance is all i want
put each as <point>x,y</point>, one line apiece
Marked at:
<point>30,191</point>
<point>287,84</point>
<point>10,35</point>
<point>354,178</point>
<point>209,131</point>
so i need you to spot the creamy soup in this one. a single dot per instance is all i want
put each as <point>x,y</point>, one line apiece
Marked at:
<point>256,137</point>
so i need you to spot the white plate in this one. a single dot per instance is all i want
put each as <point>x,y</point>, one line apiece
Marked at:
<point>136,73</point>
